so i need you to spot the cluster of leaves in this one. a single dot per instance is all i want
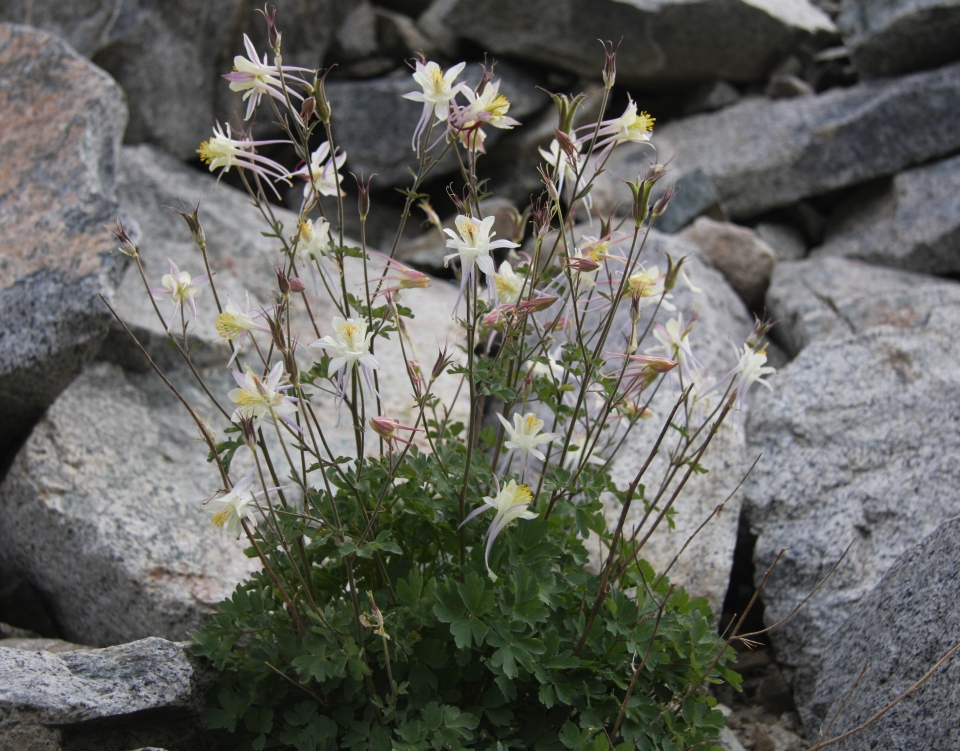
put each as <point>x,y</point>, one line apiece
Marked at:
<point>460,662</point>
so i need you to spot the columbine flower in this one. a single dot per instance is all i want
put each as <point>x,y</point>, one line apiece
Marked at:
<point>749,370</point>
<point>630,127</point>
<point>525,436</point>
<point>235,324</point>
<point>223,151</point>
<point>569,166</point>
<point>313,240</point>
<point>350,347</point>
<point>438,92</point>
<point>325,172</point>
<point>263,398</point>
<point>674,338</point>
<point>230,509</point>
<point>508,283</point>
<point>472,243</point>
<point>182,289</point>
<point>253,77</point>
<point>647,286</point>
<point>512,502</point>
<point>490,107</point>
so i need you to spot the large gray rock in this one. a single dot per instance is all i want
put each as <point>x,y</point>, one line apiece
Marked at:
<point>379,142</point>
<point>761,155</point>
<point>898,632</point>
<point>858,441</point>
<point>61,122</point>
<point>704,568</point>
<point>914,224</point>
<point>665,43</point>
<point>104,511</point>
<point>832,298</point>
<point>146,693</point>
<point>168,56</point>
<point>898,36</point>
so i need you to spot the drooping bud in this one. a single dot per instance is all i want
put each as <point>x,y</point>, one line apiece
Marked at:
<point>610,64</point>
<point>363,195</point>
<point>127,246</point>
<point>384,426</point>
<point>307,109</point>
<point>567,144</point>
<point>582,265</point>
<point>535,305</point>
<point>296,284</point>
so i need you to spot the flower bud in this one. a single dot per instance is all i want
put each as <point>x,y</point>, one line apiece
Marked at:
<point>443,361</point>
<point>567,144</point>
<point>583,265</point>
<point>270,16</point>
<point>296,284</point>
<point>566,110</point>
<point>307,109</point>
<point>384,426</point>
<point>413,368</point>
<point>661,205</point>
<point>363,195</point>
<point>282,282</point>
<point>248,432</point>
<point>535,305</point>
<point>127,246</point>
<point>673,272</point>
<point>610,64</point>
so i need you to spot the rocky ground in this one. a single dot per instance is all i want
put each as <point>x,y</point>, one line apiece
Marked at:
<point>816,145</point>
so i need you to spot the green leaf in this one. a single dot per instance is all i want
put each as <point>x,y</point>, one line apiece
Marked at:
<point>477,598</point>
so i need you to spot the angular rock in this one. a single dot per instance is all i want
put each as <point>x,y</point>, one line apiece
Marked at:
<point>704,568</point>
<point>830,298</point>
<point>899,36</point>
<point>116,538</point>
<point>899,631</point>
<point>710,97</point>
<point>743,258</point>
<point>761,155</point>
<point>169,57</point>
<point>135,695</point>
<point>62,123</point>
<point>858,439</point>
<point>665,43</point>
<point>373,123</point>
<point>368,31</point>
<point>914,224</point>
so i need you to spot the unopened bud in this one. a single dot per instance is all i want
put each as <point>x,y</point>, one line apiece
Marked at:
<point>535,305</point>
<point>568,145</point>
<point>282,281</point>
<point>610,64</point>
<point>363,195</point>
<point>566,110</point>
<point>443,361</point>
<point>384,426</point>
<point>248,432</point>
<point>307,109</point>
<point>296,284</point>
<point>413,368</point>
<point>582,265</point>
<point>127,246</point>
<point>661,205</point>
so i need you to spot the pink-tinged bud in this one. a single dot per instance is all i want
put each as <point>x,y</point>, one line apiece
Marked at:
<point>384,426</point>
<point>127,246</point>
<point>610,64</point>
<point>495,319</point>
<point>270,16</point>
<point>535,305</point>
<point>660,206</point>
<point>282,281</point>
<point>307,109</point>
<point>440,365</point>
<point>654,364</point>
<point>363,195</point>
<point>416,379</point>
<point>583,265</point>
<point>296,284</point>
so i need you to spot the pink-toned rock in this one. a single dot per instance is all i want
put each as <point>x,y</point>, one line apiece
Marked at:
<point>61,123</point>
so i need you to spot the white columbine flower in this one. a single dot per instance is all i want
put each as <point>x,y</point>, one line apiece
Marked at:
<point>235,324</point>
<point>512,502</point>
<point>182,289</point>
<point>230,509</point>
<point>472,242</point>
<point>324,171</point>
<point>223,151</point>
<point>630,127</point>
<point>438,92</point>
<point>750,369</point>
<point>349,347</point>
<point>648,286</point>
<point>490,107</point>
<point>525,436</point>
<point>313,241</point>
<point>263,398</point>
<point>568,168</point>
<point>509,284</point>
<point>253,77</point>
<point>674,338</point>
